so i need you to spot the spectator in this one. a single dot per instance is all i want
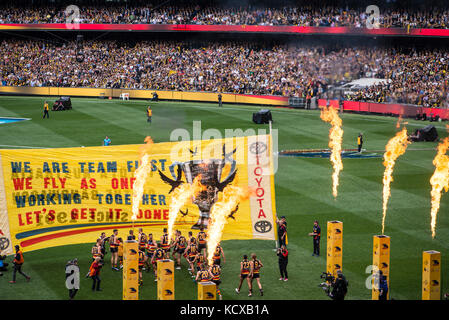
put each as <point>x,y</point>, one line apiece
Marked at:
<point>418,77</point>
<point>303,13</point>
<point>106,141</point>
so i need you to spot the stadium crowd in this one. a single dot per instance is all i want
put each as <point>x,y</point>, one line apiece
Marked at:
<point>415,77</point>
<point>303,14</point>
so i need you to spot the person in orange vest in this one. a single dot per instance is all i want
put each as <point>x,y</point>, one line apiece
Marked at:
<point>18,263</point>
<point>94,273</point>
<point>308,99</point>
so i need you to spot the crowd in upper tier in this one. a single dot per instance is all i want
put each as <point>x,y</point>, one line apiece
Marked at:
<point>415,76</point>
<point>302,14</point>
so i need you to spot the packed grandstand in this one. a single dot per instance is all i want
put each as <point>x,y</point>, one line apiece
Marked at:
<point>292,68</point>
<point>135,75</point>
<point>431,14</point>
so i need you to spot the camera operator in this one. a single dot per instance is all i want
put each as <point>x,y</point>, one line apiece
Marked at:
<point>18,263</point>
<point>3,264</point>
<point>383,286</point>
<point>72,268</point>
<point>339,287</point>
<point>283,261</point>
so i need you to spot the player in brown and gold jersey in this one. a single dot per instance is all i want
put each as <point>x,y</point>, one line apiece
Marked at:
<point>245,267</point>
<point>256,264</point>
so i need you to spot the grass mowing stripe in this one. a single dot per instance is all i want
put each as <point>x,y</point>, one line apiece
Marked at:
<point>346,201</point>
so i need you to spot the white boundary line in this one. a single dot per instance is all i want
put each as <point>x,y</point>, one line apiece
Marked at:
<point>15,118</point>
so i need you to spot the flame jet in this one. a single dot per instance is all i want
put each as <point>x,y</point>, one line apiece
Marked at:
<point>395,147</point>
<point>329,114</point>
<point>439,181</point>
<point>141,176</point>
<point>182,195</point>
<point>400,121</point>
<point>223,209</point>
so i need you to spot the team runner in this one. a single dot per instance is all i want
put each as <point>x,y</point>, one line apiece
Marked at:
<point>180,249</point>
<point>151,246</point>
<point>202,243</point>
<point>218,254</point>
<point>256,264</point>
<point>215,276</point>
<point>245,267</point>
<point>191,255</point>
<point>158,255</point>
<point>113,246</point>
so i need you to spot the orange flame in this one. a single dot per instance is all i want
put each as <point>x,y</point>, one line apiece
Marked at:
<point>394,148</point>
<point>439,180</point>
<point>141,176</point>
<point>335,140</point>
<point>231,197</point>
<point>147,146</point>
<point>398,124</point>
<point>182,195</point>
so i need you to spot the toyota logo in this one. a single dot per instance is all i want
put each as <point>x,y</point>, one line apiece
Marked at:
<point>263,226</point>
<point>4,243</point>
<point>257,147</point>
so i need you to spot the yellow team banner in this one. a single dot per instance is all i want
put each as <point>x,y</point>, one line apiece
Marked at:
<point>53,197</point>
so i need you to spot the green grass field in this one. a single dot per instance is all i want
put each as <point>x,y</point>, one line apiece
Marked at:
<point>303,193</point>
